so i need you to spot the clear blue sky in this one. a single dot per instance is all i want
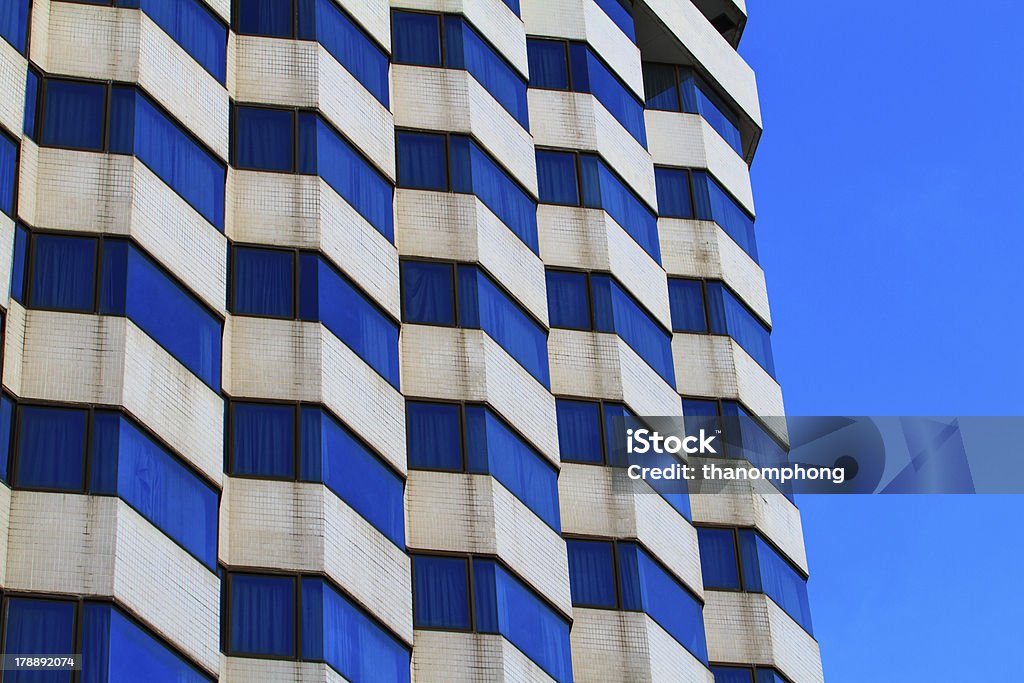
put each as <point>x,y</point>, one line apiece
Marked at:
<point>890,192</point>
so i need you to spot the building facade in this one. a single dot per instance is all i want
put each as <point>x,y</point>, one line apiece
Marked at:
<point>316,314</point>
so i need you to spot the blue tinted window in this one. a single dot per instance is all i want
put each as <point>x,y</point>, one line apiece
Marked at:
<point>116,649</point>
<point>579,431</point>
<point>497,190</point>
<point>74,115</point>
<point>660,87</point>
<point>264,282</point>
<point>615,310</point>
<point>265,18</point>
<point>428,294</point>
<point>6,425</point>
<point>329,297</point>
<point>416,38</point>
<point>483,305</point>
<point>604,190</point>
<point>512,5</point>
<point>686,299</point>
<point>466,49</point>
<point>609,90</point>
<point>351,176</point>
<point>353,49</point>
<point>441,592</point>
<point>157,485</point>
<point>714,111</point>
<point>568,300</point>
<point>548,64</point>
<point>620,12</point>
<point>31,103</point>
<point>192,26</point>
<point>673,186</point>
<point>718,564</point>
<point>14,26</point>
<point>264,139</point>
<point>51,448</point>
<point>19,263</point>
<point>422,161</point>
<point>713,204</point>
<point>337,632</point>
<point>263,439</point>
<point>493,448</point>
<point>169,314</point>
<point>333,455</point>
<point>39,627</point>
<point>63,273</point>
<point>556,178</point>
<point>262,615</point>
<point>730,674</point>
<point>591,573</point>
<point>531,625</point>
<point>727,315</point>
<point>649,586</point>
<point>765,571</point>
<point>434,434</point>
<point>8,172</point>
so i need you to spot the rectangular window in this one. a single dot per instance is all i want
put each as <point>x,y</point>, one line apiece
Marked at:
<point>673,187</point>
<point>306,443</point>
<point>419,39</point>
<point>480,304</point>
<point>40,628</point>
<point>63,273</point>
<point>703,307</point>
<point>579,69</point>
<point>73,114</point>
<point>327,23</point>
<point>713,204</point>
<point>53,449</point>
<point>501,604</point>
<point>422,161</point>
<point>14,25</point>
<point>264,139</point>
<point>746,674</point>
<point>8,172</point>
<point>193,26</point>
<point>308,619</point>
<point>741,559</point>
<point>472,438</point>
<point>670,87</point>
<point>579,179</point>
<point>623,575</point>
<point>615,311</point>
<point>264,282</point>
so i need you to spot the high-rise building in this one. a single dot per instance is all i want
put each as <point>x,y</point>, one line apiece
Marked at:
<point>316,314</point>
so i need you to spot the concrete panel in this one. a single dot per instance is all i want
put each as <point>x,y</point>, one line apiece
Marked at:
<point>471,657</point>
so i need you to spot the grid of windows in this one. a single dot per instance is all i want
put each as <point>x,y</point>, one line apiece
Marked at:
<point>586,301</point>
<point>623,575</point>
<point>447,40</point>
<point>307,618</point>
<point>479,594</point>
<point>462,295</point>
<point>743,560</point>
<point>453,437</point>
<point>573,66</point>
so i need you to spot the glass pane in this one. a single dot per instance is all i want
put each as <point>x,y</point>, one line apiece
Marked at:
<point>441,590</point>
<point>51,448</point>
<point>718,558</point>
<point>264,282</point>
<point>568,300</point>
<point>417,38</point>
<point>673,188</point>
<point>265,17</point>
<point>73,115</point>
<point>434,435</point>
<point>264,439</point>
<point>39,627</point>
<point>427,293</point>
<point>686,300</point>
<point>660,87</point>
<point>262,615</point>
<point>591,573</point>
<point>547,64</point>
<point>264,139</point>
<point>63,274</point>
<point>556,178</point>
<point>421,161</point>
<point>579,431</point>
